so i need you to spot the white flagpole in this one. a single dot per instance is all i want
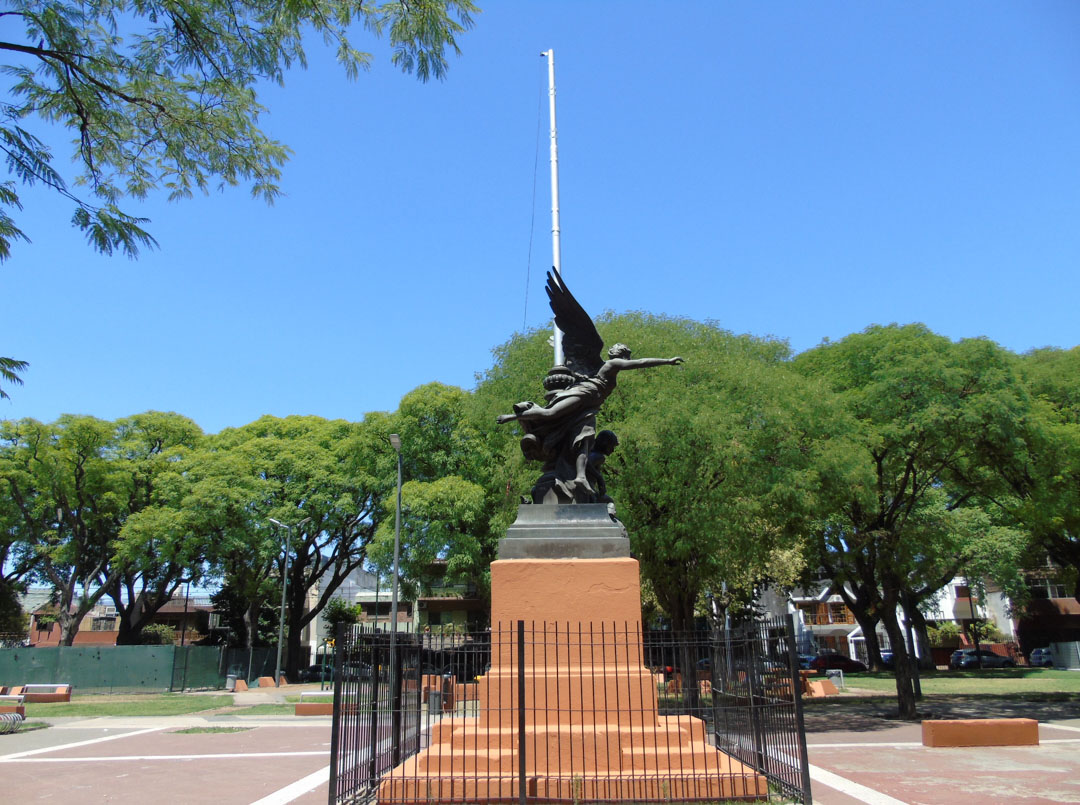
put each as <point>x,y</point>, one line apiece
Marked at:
<point>556,253</point>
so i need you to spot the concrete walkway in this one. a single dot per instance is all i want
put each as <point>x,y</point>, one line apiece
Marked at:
<point>860,753</point>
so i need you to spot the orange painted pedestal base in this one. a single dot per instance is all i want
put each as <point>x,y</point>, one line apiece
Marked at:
<point>592,728</point>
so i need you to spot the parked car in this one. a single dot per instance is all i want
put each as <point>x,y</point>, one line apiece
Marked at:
<point>836,662</point>
<point>356,670</point>
<point>315,673</point>
<point>969,658</point>
<point>888,659</point>
<point>805,660</point>
<point>1041,658</point>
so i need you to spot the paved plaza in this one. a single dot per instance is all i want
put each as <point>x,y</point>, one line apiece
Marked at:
<point>857,755</point>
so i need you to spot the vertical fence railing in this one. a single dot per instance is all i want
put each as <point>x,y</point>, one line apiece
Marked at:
<point>530,712</point>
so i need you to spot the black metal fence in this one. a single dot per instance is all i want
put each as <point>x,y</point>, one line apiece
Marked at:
<point>545,712</point>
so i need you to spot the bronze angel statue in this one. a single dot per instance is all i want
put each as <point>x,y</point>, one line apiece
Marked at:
<point>562,433</point>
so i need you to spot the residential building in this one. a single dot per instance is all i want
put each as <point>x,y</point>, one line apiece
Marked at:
<point>449,606</point>
<point>823,622</point>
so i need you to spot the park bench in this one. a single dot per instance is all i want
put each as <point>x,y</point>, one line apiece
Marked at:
<point>38,694</point>
<point>12,703</point>
<point>321,707</point>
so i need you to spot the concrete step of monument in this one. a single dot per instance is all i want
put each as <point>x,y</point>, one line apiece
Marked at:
<point>405,786</point>
<point>680,758</point>
<point>464,735</point>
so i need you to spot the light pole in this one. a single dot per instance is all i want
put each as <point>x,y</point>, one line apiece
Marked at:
<point>284,587</point>
<point>395,440</point>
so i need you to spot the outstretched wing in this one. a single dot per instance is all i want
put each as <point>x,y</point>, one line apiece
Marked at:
<point>582,345</point>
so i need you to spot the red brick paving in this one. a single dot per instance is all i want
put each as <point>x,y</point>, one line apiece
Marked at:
<point>914,774</point>
<point>219,780</point>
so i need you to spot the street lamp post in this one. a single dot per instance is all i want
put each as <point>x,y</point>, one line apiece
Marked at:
<point>284,588</point>
<point>395,440</point>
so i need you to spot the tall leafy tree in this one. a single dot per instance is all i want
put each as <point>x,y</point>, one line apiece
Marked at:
<point>448,498</point>
<point>909,521</point>
<point>1038,484</point>
<point>213,497</point>
<point>68,502</point>
<point>155,551</point>
<point>163,95</point>
<point>297,469</point>
<point>71,488</point>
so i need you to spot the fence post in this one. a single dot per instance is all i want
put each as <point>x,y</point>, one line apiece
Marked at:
<point>396,667</point>
<point>753,681</point>
<point>715,652</point>
<point>373,736</point>
<point>335,729</point>
<point>187,655</point>
<point>800,724</point>
<point>172,671</point>
<point>521,710</point>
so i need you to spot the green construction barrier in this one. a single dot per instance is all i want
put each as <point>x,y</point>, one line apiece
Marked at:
<point>114,669</point>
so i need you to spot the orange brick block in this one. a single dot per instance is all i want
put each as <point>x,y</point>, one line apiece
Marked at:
<point>981,732</point>
<point>820,688</point>
<point>314,708</point>
<point>241,685</point>
<point>266,682</point>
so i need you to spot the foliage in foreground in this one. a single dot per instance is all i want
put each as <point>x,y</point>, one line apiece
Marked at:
<point>163,95</point>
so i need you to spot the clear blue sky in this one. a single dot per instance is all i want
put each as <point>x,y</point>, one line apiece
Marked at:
<point>786,168</point>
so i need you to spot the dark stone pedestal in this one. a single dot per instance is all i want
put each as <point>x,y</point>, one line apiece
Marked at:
<point>573,531</point>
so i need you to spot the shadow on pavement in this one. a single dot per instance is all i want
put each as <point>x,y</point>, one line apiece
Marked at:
<point>873,713</point>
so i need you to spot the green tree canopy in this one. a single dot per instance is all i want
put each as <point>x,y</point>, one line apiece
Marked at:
<point>71,488</point>
<point>294,469</point>
<point>162,95</point>
<point>909,519</point>
<point>1039,484</point>
<point>449,497</point>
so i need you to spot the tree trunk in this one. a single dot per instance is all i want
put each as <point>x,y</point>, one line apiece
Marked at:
<point>922,639</point>
<point>71,620</point>
<point>294,632</point>
<point>69,626</point>
<point>131,626</point>
<point>251,615</point>
<point>905,692</point>
<point>868,623</point>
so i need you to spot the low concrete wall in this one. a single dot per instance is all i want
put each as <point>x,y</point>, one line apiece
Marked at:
<point>981,732</point>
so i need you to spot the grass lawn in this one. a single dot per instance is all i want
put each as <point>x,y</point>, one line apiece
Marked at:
<point>162,704</point>
<point>266,710</point>
<point>32,726</point>
<point>988,682</point>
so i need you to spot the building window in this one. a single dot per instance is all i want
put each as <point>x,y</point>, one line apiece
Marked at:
<point>103,624</point>
<point>1047,588</point>
<point>434,618</point>
<point>962,591</point>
